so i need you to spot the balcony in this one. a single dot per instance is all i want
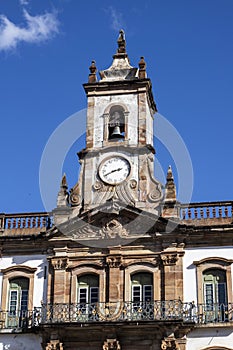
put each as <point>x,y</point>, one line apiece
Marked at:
<point>157,311</point>
<point>207,213</point>
<point>23,224</point>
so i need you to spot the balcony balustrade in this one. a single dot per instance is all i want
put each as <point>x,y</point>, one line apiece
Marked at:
<point>196,213</point>
<point>219,212</point>
<point>24,223</point>
<point>158,311</point>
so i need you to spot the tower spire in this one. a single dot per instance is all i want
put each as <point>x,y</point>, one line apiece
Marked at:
<point>121,42</point>
<point>171,206</point>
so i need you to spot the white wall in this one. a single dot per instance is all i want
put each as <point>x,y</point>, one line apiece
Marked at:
<point>189,270</point>
<point>207,337</point>
<point>35,261</point>
<point>20,341</point>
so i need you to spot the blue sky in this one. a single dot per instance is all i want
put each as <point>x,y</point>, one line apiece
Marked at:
<point>46,48</point>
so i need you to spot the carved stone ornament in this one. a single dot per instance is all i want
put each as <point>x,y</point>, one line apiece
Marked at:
<point>169,343</point>
<point>169,259</point>
<point>59,264</point>
<point>114,261</point>
<point>108,228</point>
<point>113,228</point>
<point>155,194</point>
<point>123,192</point>
<point>111,344</point>
<point>54,345</point>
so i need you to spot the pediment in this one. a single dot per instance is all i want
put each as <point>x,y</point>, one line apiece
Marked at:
<point>107,225</point>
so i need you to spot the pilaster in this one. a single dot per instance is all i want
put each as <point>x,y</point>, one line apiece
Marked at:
<point>60,279</point>
<point>172,263</point>
<point>114,263</point>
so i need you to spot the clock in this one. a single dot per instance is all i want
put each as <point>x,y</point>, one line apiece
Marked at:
<point>114,170</point>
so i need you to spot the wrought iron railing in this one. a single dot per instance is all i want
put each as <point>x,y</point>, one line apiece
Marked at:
<point>119,311</point>
<point>173,310</point>
<point>17,319</point>
<point>214,313</point>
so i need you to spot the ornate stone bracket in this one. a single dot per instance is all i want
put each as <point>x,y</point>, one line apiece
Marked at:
<point>114,261</point>
<point>169,343</point>
<point>169,258</point>
<point>111,344</point>
<point>59,264</point>
<point>54,345</point>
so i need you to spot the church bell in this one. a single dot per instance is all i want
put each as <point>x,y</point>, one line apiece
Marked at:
<point>116,134</point>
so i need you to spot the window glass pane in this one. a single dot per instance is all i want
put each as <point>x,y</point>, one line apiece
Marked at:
<point>222,293</point>
<point>94,294</point>
<point>20,282</point>
<point>83,295</point>
<point>24,300</point>
<point>209,293</point>
<point>142,278</point>
<point>136,291</point>
<point>13,302</point>
<point>89,280</point>
<point>147,293</point>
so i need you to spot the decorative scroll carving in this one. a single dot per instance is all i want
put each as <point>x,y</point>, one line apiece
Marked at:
<point>59,264</point>
<point>111,344</point>
<point>169,343</point>
<point>133,184</point>
<point>54,345</point>
<point>114,261</point>
<point>169,258</point>
<point>124,192</point>
<point>155,194</point>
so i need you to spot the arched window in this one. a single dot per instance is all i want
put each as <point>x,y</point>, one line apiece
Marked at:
<point>88,289</point>
<point>142,287</point>
<point>215,295</point>
<point>18,301</point>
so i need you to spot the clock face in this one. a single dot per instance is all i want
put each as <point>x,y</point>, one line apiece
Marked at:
<point>114,170</point>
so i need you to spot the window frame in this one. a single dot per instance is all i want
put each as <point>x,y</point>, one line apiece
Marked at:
<point>17,271</point>
<point>80,270</point>
<point>208,264</point>
<point>142,268</point>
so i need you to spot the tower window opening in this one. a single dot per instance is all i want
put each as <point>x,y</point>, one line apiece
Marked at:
<point>116,125</point>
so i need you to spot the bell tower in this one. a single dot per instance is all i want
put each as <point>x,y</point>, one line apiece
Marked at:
<point>120,105</point>
<point>117,164</point>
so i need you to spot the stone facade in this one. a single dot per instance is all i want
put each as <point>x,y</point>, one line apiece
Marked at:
<point>119,264</point>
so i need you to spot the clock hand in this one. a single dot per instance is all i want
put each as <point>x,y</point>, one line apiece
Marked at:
<point>113,171</point>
